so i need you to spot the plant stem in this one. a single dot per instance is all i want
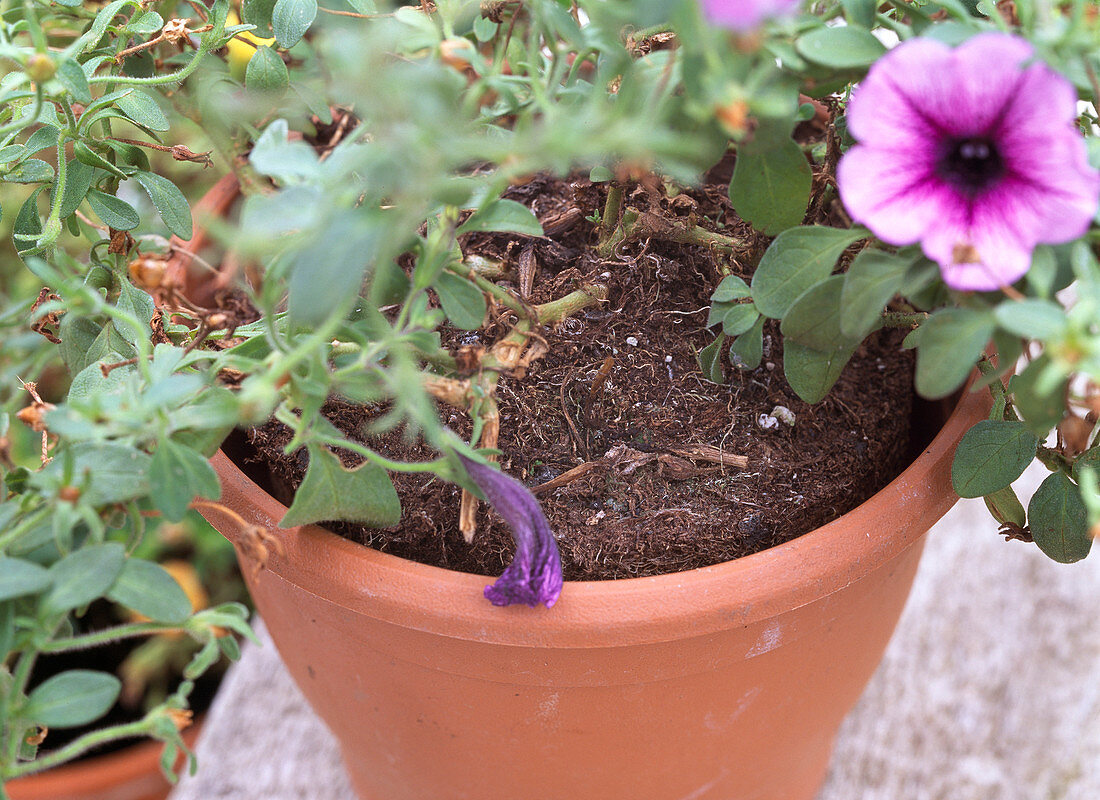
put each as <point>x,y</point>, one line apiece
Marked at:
<point>105,636</point>
<point>612,209</point>
<point>78,747</point>
<point>902,319</point>
<point>557,310</point>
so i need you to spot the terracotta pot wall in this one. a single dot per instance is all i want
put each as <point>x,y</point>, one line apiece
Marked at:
<point>721,683</point>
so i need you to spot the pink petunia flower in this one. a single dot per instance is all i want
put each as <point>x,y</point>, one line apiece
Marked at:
<point>972,152</point>
<point>743,15</point>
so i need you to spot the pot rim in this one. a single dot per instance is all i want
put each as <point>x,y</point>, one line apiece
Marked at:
<point>616,612</point>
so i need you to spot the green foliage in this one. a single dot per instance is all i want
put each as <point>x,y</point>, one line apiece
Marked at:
<point>796,261</point>
<point>1059,522</point>
<point>771,182</point>
<point>72,698</point>
<point>990,456</point>
<point>372,152</point>
<point>330,492</point>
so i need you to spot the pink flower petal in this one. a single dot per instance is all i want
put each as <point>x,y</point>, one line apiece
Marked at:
<point>891,192</point>
<point>978,251</point>
<point>743,15</point>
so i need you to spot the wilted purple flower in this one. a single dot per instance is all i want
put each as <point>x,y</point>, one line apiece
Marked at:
<point>743,15</point>
<point>534,576</point>
<point>972,152</point>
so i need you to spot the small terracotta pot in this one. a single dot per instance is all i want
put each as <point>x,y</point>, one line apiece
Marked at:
<point>132,773</point>
<point>722,683</point>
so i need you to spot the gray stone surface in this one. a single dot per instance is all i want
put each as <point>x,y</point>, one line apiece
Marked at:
<point>990,690</point>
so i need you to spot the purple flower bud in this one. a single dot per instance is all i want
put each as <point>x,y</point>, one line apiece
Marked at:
<point>744,15</point>
<point>534,576</point>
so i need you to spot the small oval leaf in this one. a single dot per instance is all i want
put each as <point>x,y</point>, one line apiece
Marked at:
<point>72,698</point>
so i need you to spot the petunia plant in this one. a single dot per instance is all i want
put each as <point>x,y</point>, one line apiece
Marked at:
<point>950,188</point>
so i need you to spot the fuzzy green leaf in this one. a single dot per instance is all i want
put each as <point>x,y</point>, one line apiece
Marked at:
<point>83,576</point>
<point>19,578</point>
<point>169,201</point>
<point>770,187</point>
<point>148,589</point>
<point>1059,520</point>
<point>291,19</point>
<point>71,699</point>
<point>950,343</point>
<point>844,47</point>
<point>330,492</point>
<point>178,474</point>
<point>463,302</point>
<point>798,259</point>
<point>503,215</point>
<point>266,71</point>
<point>990,456</point>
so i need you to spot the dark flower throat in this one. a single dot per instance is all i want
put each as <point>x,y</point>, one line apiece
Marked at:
<point>971,165</point>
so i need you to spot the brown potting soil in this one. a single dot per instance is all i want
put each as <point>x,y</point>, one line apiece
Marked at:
<point>642,451</point>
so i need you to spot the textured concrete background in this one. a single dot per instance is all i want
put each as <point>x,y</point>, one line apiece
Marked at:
<point>990,690</point>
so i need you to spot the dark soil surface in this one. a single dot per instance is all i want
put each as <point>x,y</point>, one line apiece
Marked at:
<point>620,395</point>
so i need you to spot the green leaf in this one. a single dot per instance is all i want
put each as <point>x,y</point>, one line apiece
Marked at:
<point>291,19</point>
<point>710,360</point>
<point>148,589</point>
<point>860,12</point>
<point>735,318</point>
<point>7,628</point>
<point>323,278</point>
<point>266,71</point>
<point>178,474</point>
<point>72,78</point>
<point>797,260</point>
<point>990,456</point>
<point>78,180</point>
<point>83,576</point>
<point>770,187</point>
<point>73,698</point>
<point>1059,520</point>
<point>950,343</point>
<point>136,303</point>
<point>812,373</point>
<point>1032,318</point>
<point>87,155</point>
<point>19,578</point>
<point>258,13</point>
<point>1089,458</point>
<point>503,215</point>
<point>33,170</point>
<point>143,110</point>
<point>169,201</point>
<point>1039,395</point>
<point>115,213</point>
<point>286,161</point>
<point>1005,507</point>
<point>28,223</point>
<point>844,47</point>
<point>330,492</point>
<point>730,289</point>
<point>463,302</point>
<point>871,281</point>
<point>106,472</point>
<point>815,318</point>
<point>747,350</point>
<point>146,24</point>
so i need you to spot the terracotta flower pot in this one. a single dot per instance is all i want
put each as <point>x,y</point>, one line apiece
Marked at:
<point>132,773</point>
<point>727,682</point>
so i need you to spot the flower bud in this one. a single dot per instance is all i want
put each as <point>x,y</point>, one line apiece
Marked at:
<point>40,68</point>
<point>148,272</point>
